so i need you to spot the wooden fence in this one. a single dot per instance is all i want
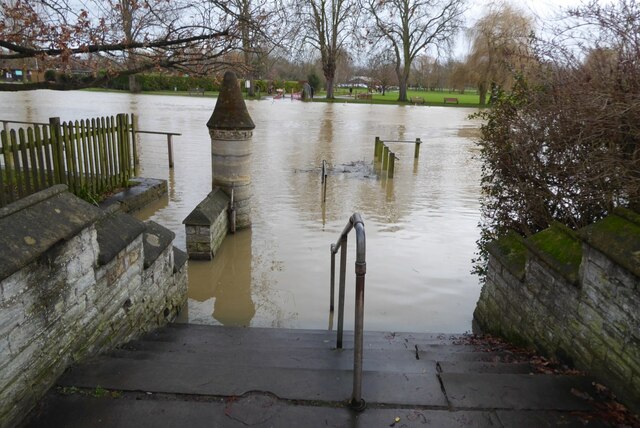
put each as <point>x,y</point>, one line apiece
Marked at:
<point>90,156</point>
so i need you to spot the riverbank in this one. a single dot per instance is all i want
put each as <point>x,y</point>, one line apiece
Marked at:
<point>419,98</point>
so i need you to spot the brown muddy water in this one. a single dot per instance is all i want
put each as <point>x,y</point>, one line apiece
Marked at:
<point>421,226</point>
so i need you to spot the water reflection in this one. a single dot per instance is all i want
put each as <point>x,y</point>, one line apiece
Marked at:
<point>420,225</point>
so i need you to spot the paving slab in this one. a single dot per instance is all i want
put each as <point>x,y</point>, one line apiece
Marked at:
<point>516,391</point>
<point>78,411</point>
<point>305,384</point>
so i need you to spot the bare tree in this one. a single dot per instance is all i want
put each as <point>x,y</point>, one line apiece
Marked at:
<point>381,69</point>
<point>411,27</point>
<point>500,46</point>
<point>327,25</point>
<point>118,37</point>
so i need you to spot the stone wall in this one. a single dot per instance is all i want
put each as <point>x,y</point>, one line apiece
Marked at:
<point>76,281</point>
<point>207,225</point>
<point>573,296</point>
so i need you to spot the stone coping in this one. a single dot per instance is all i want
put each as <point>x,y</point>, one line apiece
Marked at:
<point>618,237</point>
<point>156,239</point>
<point>558,247</point>
<point>142,193</point>
<point>207,211</point>
<point>115,231</point>
<point>179,259</point>
<point>32,225</point>
<point>511,252</point>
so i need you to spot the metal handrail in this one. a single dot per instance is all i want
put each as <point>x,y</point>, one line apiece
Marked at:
<point>355,222</point>
<point>169,140</point>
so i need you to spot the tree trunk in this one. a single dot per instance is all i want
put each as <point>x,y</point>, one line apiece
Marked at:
<point>329,87</point>
<point>402,85</point>
<point>482,92</point>
<point>134,85</point>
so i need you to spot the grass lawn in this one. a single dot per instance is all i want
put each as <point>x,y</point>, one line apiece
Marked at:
<point>430,97</point>
<point>342,94</point>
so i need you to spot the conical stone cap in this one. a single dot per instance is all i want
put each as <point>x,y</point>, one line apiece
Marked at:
<point>230,111</point>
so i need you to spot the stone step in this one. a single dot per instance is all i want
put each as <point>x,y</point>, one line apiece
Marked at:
<point>223,379</point>
<point>483,367</point>
<point>258,337</point>
<point>399,361</point>
<point>518,391</point>
<point>141,411</point>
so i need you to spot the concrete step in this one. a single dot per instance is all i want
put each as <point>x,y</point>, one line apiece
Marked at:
<point>217,376</point>
<point>269,337</point>
<point>400,361</point>
<point>444,366</point>
<point>143,411</point>
<point>225,379</point>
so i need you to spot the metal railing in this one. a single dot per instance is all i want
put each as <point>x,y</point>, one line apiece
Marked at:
<point>323,180</point>
<point>355,222</point>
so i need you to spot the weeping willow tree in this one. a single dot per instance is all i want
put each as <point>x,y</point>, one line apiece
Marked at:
<point>500,45</point>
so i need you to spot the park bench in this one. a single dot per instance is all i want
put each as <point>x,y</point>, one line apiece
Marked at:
<point>364,96</point>
<point>196,91</point>
<point>451,101</point>
<point>417,100</point>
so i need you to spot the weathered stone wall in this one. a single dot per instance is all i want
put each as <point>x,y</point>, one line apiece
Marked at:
<point>76,281</point>
<point>582,307</point>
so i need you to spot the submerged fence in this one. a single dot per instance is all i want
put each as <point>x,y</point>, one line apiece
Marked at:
<point>90,156</point>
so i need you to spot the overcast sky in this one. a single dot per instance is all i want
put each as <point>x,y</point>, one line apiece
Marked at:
<point>544,12</point>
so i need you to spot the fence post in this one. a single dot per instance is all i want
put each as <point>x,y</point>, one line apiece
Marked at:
<point>134,146</point>
<point>55,133</point>
<point>170,149</point>
<point>417,151</point>
<point>375,148</point>
<point>385,157</point>
<point>121,134</point>
<point>8,156</point>
<point>392,162</point>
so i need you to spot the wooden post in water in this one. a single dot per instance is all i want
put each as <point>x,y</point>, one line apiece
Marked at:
<point>392,164</point>
<point>417,151</point>
<point>385,157</point>
<point>231,131</point>
<point>375,148</point>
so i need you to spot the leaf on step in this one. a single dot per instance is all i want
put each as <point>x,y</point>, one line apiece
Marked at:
<point>581,394</point>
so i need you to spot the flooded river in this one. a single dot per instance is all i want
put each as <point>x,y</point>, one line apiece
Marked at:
<point>421,226</point>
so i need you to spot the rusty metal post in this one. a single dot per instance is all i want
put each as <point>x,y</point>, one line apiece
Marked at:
<point>333,276</point>
<point>357,403</point>
<point>170,149</point>
<point>343,274</point>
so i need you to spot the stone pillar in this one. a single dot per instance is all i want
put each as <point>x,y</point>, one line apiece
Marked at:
<point>231,131</point>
